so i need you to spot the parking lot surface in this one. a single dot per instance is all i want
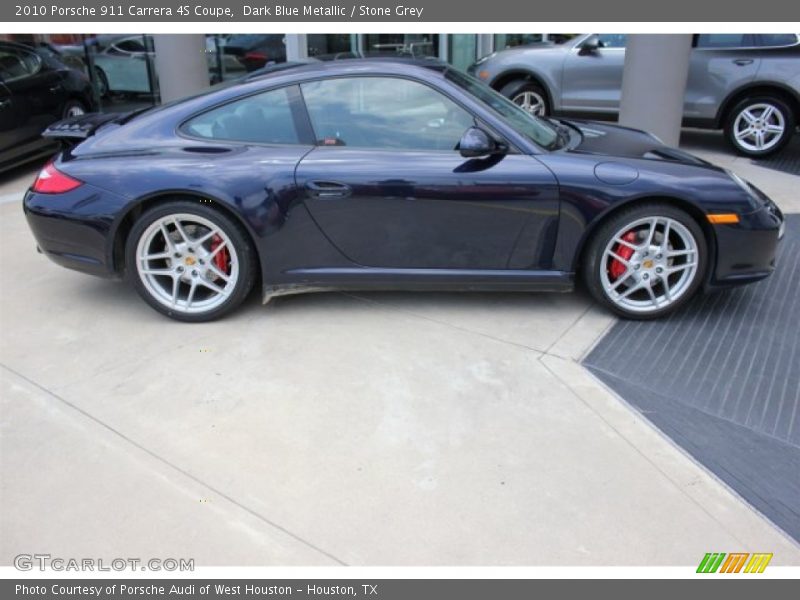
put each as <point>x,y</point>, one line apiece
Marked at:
<point>358,429</point>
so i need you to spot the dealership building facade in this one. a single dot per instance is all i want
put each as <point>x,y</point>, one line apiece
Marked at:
<point>134,70</point>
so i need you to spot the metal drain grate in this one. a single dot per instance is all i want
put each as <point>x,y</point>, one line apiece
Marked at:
<point>786,161</point>
<point>722,378</point>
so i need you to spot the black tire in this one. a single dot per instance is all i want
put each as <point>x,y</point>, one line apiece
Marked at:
<point>238,236</point>
<point>101,83</point>
<point>779,105</point>
<point>516,88</point>
<point>593,256</point>
<point>73,108</point>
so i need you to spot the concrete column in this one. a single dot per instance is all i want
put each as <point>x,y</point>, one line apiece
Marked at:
<point>485,44</point>
<point>654,83</point>
<point>296,46</point>
<point>181,65</point>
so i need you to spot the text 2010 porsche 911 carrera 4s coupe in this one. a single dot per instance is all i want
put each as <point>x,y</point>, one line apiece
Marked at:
<point>383,175</point>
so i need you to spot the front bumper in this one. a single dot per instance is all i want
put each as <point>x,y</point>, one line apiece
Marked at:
<point>74,229</point>
<point>746,251</point>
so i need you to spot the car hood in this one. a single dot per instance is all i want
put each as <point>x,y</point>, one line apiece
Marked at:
<point>625,142</point>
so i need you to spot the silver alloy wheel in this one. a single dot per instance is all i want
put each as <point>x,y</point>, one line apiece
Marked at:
<point>658,257</point>
<point>178,259</point>
<point>531,102</point>
<point>759,127</point>
<point>76,110</point>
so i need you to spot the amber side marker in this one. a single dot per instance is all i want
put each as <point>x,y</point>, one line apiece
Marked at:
<point>723,218</point>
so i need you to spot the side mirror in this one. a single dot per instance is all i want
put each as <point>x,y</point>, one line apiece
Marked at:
<point>476,143</point>
<point>589,46</point>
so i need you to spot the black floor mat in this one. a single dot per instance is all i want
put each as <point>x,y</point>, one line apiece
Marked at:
<point>722,379</point>
<point>786,161</point>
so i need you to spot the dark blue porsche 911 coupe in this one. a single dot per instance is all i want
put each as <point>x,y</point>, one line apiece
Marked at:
<point>379,174</point>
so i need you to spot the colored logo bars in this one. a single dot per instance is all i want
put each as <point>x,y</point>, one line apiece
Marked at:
<point>716,562</point>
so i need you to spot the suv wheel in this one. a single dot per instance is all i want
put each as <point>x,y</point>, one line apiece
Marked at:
<point>528,96</point>
<point>760,125</point>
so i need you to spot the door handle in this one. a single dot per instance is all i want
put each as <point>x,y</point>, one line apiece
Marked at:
<point>55,88</point>
<point>743,61</point>
<point>5,104</point>
<point>328,189</point>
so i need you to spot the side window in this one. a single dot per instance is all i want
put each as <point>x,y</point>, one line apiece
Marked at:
<point>777,39</point>
<point>725,40</point>
<point>16,64</point>
<point>612,40</point>
<point>262,119</point>
<point>383,112</point>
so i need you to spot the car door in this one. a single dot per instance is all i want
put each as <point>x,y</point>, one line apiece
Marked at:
<point>591,80</point>
<point>31,99</point>
<point>720,63</point>
<point>388,187</point>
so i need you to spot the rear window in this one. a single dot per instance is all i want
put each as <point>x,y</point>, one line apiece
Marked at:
<point>16,63</point>
<point>264,118</point>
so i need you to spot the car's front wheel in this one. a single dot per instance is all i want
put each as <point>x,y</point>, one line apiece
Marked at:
<point>760,126</point>
<point>646,261</point>
<point>190,261</point>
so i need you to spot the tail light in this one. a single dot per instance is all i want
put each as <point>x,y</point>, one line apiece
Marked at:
<point>52,181</point>
<point>255,57</point>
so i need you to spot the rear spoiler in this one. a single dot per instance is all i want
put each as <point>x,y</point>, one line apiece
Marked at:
<point>81,127</point>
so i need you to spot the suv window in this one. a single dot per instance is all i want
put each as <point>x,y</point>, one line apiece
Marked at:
<point>264,118</point>
<point>777,39</point>
<point>384,112</point>
<point>611,40</point>
<point>725,40</point>
<point>16,64</point>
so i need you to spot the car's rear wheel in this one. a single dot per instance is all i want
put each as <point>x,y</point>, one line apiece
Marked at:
<point>760,125</point>
<point>190,261</point>
<point>646,261</point>
<point>528,95</point>
<point>74,108</point>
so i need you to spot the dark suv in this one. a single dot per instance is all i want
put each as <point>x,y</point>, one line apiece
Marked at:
<point>36,89</point>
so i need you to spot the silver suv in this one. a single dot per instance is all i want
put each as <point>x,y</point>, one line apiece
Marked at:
<point>746,84</point>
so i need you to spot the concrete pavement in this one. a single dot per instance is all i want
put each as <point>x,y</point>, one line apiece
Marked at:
<point>362,429</point>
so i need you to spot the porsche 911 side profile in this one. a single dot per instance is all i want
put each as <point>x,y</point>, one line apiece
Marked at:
<point>377,175</point>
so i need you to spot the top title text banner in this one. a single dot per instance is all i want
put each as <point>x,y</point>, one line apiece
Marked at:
<point>467,11</point>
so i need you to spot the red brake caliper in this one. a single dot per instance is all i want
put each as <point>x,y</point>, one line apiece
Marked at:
<point>617,268</point>
<point>221,257</point>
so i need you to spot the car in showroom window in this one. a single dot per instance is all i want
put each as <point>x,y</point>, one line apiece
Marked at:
<point>747,85</point>
<point>389,174</point>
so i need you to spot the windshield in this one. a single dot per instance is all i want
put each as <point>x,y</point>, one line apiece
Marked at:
<point>537,130</point>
